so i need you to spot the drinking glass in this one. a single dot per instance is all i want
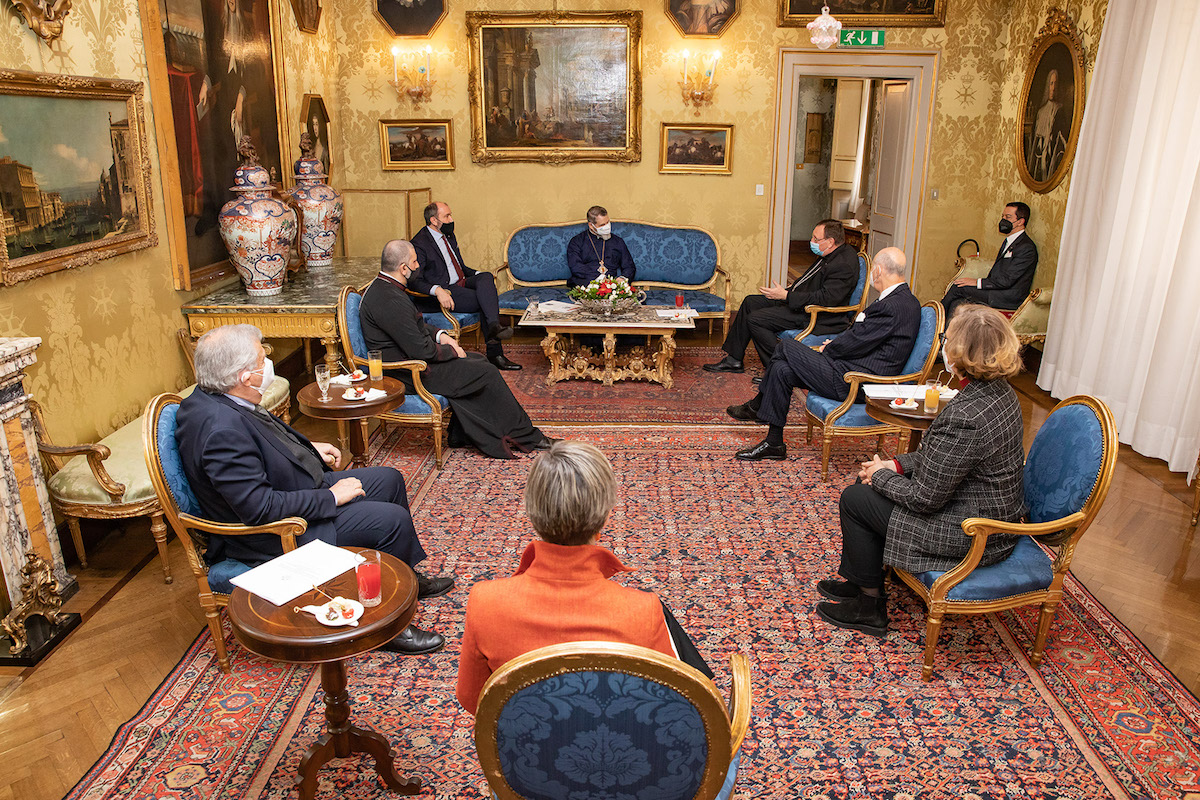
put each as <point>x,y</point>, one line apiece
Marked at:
<point>932,396</point>
<point>369,574</point>
<point>679,299</point>
<point>322,373</point>
<point>375,364</point>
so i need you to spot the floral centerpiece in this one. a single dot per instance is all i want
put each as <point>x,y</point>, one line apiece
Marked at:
<point>607,295</point>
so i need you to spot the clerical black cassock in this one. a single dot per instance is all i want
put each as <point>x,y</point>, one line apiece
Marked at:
<point>586,251</point>
<point>491,418</point>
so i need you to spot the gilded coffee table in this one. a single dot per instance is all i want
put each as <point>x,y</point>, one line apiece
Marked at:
<point>568,360</point>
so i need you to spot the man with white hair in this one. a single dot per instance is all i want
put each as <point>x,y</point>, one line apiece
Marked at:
<point>879,342</point>
<point>247,466</point>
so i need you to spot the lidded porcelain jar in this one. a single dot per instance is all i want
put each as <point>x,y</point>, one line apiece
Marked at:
<point>257,228</point>
<point>320,207</point>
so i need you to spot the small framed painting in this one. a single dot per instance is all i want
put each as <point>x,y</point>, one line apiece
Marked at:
<point>416,144</point>
<point>314,120</point>
<point>696,149</point>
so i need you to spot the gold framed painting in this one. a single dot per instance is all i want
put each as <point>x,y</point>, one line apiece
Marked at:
<point>696,149</point>
<point>314,120</point>
<point>410,18</point>
<point>1051,108</point>
<point>410,144</point>
<point>555,87</point>
<point>879,13</point>
<point>702,19</point>
<point>74,173</point>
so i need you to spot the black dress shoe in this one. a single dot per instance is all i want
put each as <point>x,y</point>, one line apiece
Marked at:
<point>432,587</point>
<point>757,380</point>
<point>764,450</point>
<point>500,362</point>
<point>545,443</point>
<point>726,364</point>
<point>838,591</point>
<point>412,641</point>
<point>496,332</point>
<point>743,412</point>
<point>862,613</point>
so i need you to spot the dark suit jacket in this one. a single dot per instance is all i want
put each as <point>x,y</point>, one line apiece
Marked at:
<point>241,472</point>
<point>831,285</point>
<point>1011,277</point>
<point>969,464</point>
<point>434,271</point>
<point>883,341</point>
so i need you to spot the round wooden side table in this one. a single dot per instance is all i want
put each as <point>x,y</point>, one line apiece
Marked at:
<point>346,411</point>
<point>916,420</point>
<point>280,634</point>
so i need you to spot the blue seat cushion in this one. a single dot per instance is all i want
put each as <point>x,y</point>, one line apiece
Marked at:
<point>413,404</point>
<point>812,340</point>
<point>1064,463</point>
<point>518,299</point>
<point>1027,569</point>
<point>700,300</point>
<point>438,320</point>
<point>856,417</point>
<point>221,573</point>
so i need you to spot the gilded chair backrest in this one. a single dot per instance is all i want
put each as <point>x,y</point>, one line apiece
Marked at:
<point>920,360</point>
<point>1071,460</point>
<point>591,719</point>
<point>350,326</point>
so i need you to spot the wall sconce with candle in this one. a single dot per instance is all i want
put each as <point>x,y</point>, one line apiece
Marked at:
<point>412,77</point>
<point>699,82</point>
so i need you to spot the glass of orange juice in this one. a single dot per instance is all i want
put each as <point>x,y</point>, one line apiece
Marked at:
<point>375,364</point>
<point>932,396</point>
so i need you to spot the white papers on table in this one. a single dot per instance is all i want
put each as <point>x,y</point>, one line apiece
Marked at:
<point>890,391</point>
<point>678,312</point>
<point>557,307</point>
<point>342,380</point>
<point>290,575</point>
<point>372,394</point>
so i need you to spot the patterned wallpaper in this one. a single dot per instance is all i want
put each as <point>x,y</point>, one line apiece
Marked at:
<point>109,328</point>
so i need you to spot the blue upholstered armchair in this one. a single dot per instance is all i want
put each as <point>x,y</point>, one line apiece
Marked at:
<point>1067,475</point>
<point>457,322</point>
<point>182,510</point>
<point>424,408</point>
<point>848,418</point>
<point>603,720</point>
<point>858,302</point>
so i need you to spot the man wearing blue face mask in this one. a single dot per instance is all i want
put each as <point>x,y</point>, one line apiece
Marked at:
<point>597,247</point>
<point>1011,277</point>
<point>828,282</point>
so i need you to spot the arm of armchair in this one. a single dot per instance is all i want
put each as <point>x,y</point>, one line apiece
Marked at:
<point>856,380</point>
<point>812,316</point>
<point>739,700</point>
<point>286,529</point>
<point>416,367</point>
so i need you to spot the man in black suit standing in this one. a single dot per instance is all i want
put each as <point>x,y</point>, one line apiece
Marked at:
<point>247,466</point>
<point>454,286</point>
<point>879,342</point>
<point>1011,277</point>
<point>828,282</point>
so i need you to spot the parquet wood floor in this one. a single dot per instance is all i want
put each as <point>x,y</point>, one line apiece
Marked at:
<point>1140,559</point>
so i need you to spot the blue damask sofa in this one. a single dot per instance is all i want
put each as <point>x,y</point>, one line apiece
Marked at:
<point>669,259</point>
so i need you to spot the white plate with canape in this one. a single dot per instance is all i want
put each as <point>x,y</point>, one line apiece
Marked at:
<point>336,613</point>
<point>355,393</point>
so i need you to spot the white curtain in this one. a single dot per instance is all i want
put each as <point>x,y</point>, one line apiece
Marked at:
<point>1125,322</point>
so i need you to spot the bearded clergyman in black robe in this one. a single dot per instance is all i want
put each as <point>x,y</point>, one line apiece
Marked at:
<point>485,412</point>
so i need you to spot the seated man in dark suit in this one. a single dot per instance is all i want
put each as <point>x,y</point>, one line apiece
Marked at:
<point>485,411</point>
<point>246,466</point>
<point>1011,277</point>
<point>879,342</point>
<point>598,247</point>
<point>454,286</point>
<point>828,282</point>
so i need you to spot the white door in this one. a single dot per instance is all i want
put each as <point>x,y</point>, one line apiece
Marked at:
<point>888,206</point>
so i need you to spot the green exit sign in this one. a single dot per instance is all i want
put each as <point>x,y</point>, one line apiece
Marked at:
<point>861,37</point>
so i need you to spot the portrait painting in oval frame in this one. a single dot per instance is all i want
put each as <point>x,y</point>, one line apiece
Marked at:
<point>1051,107</point>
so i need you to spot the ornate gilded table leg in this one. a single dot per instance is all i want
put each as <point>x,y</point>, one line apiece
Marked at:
<point>332,357</point>
<point>664,357</point>
<point>610,358</point>
<point>552,347</point>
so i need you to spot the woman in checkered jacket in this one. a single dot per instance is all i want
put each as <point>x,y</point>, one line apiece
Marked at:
<point>908,511</point>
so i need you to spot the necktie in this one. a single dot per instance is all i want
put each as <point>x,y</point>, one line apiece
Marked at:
<point>300,449</point>
<point>1003,250</point>
<point>462,278</point>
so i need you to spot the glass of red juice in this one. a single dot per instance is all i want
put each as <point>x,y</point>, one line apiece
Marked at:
<point>369,578</point>
<point>679,299</point>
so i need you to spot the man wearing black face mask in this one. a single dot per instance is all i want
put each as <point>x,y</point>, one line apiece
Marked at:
<point>454,286</point>
<point>1011,277</point>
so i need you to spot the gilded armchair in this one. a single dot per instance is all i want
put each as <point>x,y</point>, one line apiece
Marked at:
<point>858,303</point>
<point>1030,319</point>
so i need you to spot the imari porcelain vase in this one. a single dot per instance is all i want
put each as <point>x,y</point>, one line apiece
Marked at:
<point>257,228</point>
<point>320,207</point>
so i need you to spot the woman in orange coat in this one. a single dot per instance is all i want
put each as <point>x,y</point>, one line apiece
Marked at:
<point>561,592</point>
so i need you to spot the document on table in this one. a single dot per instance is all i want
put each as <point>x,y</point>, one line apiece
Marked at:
<point>890,391</point>
<point>290,575</point>
<point>557,306</point>
<point>678,312</point>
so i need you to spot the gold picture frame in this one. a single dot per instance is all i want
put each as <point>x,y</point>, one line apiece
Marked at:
<point>1051,111</point>
<point>416,19</point>
<point>415,144</point>
<point>598,117</point>
<point>925,14</point>
<point>696,149</point>
<point>702,19</point>
<point>75,184</point>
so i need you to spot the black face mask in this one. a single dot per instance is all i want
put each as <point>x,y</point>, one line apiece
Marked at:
<point>1005,227</point>
<point>447,229</point>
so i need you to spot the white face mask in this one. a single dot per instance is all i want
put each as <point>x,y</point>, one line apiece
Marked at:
<point>268,377</point>
<point>604,231</point>
<point>946,361</point>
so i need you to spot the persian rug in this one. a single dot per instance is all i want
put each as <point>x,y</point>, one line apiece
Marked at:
<point>735,548</point>
<point>696,397</point>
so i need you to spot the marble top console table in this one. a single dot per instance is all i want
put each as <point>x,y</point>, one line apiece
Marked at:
<point>306,309</point>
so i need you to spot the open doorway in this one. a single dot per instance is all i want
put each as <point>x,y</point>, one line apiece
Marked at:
<point>851,143</point>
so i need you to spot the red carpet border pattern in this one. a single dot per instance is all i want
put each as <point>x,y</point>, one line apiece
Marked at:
<point>735,549</point>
